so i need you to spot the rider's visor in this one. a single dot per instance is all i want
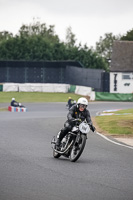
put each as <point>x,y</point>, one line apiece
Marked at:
<point>82,106</point>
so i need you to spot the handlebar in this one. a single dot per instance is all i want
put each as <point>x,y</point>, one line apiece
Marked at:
<point>76,120</point>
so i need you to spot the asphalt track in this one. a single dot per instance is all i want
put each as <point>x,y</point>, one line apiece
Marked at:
<point>29,172</point>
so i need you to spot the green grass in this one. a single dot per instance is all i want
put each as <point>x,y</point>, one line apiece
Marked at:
<point>121,124</point>
<point>5,97</point>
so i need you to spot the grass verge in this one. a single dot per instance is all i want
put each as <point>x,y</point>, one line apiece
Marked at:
<point>119,124</point>
<point>5,97</point>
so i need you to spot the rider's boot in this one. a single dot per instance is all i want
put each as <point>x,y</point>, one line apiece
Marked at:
<point>60,136</point>
<point>57,145</point>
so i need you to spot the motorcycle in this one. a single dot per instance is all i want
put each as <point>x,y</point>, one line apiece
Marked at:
<point>73,144</point>
<point>68,107</point>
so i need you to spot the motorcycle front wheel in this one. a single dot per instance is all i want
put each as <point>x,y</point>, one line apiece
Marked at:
<point>55,154</point>
<point>74,155</point>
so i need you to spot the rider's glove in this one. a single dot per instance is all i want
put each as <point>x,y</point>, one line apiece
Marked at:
<point>77,121</point>
<point>92,128</point>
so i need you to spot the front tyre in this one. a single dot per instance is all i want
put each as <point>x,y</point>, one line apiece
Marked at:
<point>53,142</point>
<point>74,156</point>
<point>55,154</point>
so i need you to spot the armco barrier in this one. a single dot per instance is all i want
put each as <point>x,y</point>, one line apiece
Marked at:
<point>35,87</point>
<point>85,91</point>
<point>105,96</point>
<point>10,87</point>
<point>82,90</point>
<point>16,109</point>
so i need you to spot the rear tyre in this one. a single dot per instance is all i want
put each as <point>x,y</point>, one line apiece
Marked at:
<point>74,156</point>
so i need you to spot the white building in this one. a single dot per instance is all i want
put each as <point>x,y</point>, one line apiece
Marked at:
<point>121,71</point>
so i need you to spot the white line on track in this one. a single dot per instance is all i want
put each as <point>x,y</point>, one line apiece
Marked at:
<point>106,138</point>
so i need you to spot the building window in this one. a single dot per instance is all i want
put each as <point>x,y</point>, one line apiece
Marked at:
<point>127,76</point>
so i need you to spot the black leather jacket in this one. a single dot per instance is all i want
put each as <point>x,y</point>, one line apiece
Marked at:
<point>14,103</point>
<point>74,113</point>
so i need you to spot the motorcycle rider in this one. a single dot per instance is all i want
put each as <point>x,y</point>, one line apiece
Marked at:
<point>14,103</point>
<point>77,111</point>
<point>69,103</point>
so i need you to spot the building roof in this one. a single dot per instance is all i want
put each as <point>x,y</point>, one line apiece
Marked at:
<point>122,56</point>
<point>53,64</point>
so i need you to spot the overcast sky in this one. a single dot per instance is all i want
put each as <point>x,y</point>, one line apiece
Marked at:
<point>89,19</point>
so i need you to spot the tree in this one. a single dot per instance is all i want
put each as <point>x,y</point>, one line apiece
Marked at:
<point>104,46</point>
<point>36,29</point>
<point>5,35</point>
<point>38,42</point>
<point>70,37</point>
<point>128,36</point>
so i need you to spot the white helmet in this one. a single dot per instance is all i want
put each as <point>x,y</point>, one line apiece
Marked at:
<point>13,99</point>
<point>82,101</point>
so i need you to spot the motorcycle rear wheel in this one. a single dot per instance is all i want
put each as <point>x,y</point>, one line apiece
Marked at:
<point>74,157</point>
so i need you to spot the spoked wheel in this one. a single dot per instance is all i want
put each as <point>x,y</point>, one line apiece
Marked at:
<point>77,150</point>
